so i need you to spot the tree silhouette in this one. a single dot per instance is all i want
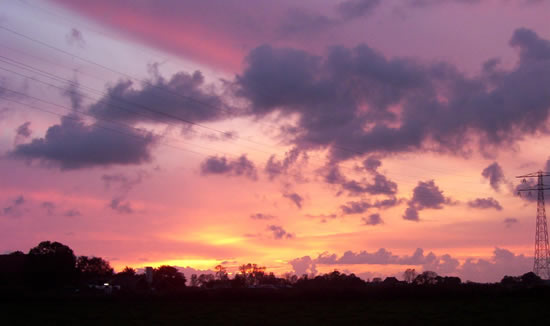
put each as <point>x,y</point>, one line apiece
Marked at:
<point>50,264</point>
<point>221,273</point>
<point>93,269</point>
<point>426,278</point>
<point>409,275</point>
<point>128,271</point>
<point>168,278</point>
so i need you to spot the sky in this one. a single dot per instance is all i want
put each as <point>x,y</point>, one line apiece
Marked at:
<point>366,136</point>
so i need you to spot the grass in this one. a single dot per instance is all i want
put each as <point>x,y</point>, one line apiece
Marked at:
<point>477,311</point>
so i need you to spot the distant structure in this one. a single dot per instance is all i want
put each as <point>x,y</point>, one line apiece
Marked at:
<point>149,274</point>
<point>541,265</point>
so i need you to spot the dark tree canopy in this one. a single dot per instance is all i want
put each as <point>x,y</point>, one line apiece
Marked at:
<point>93,268</point>
<point>50,264</point>
<point>168,278</point>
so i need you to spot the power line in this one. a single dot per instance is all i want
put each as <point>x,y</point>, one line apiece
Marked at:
<point>208,105</point>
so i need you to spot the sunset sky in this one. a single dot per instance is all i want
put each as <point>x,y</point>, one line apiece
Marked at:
<point>366,136</point>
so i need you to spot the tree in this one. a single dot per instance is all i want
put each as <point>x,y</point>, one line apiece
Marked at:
<point>253,274</point>
<point>194,281</point>
<point>93,268</point>
<point>426,278</point>
<point>50,264</point>
<point>530,279</point>
<point>128,271</point>
<point>168,278</point>
<point>221,273</point>
<point>409,275</point>
<point>205,279</point>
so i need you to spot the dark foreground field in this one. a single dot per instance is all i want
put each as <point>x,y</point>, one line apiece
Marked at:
<point>507,310</point>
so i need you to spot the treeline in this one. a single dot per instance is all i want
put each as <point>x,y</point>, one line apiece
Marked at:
<point>54,266</point>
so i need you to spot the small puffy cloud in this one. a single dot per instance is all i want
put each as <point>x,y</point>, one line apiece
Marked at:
<point>360,207</point>
<point>425,195</point>
<point>123,181</point>
<point>355,207</point>
<point>241,166</point>
<point>303,265</point>
<point>411,214</point>
<point>274,168</point>
<point>24,130</point>
<point>351,9</point>
<point>262,216</point>
<point>510,221</point>
<point>158,101</point>
<point>72,144</point>
<point>295,198</point>
<point>484,203</point>
<point>380,186</point>
<point>373,219</point>
<point>73,212</point>
<point>14,208</point>
<point>121,206</point>
<point>495,175</point>
<point>428,3</point>
<point>49,207</point>
<point>279,232</point>
<point>371,164</point>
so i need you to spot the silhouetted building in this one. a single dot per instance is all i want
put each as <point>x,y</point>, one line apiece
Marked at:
<point>149,274</point>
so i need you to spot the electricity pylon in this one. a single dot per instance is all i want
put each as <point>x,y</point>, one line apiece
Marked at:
<point>541,265</point>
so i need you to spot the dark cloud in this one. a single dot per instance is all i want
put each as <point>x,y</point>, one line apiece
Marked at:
<point>72,91</point>
<point>380,186</point>
<point>75,212</point>
<point>181,99</point>
<point>443,110</point>
<point>495,175</point>
<point>74,145</point>
<point>484,203</point>
<point>49,207</point>
<point>425,195</point>
<point>373,219</point>
<point>427,3</point>
<point>279,232</point>
<point>351,9</point>
<point>360,207</point>
<point>75,37</point>
<point>301,22</point>
<point>124,182</point>
<point>119,205</point>
<point>242,166</point>
<point>372,164</point>
<point>510,221</point>
<point>24,130</point>
<point>274,168</point>
<point>14,208</point>
<point>262,216</point>
<point>295,198</point>
<point>355,207</point>
<point>411,214</point>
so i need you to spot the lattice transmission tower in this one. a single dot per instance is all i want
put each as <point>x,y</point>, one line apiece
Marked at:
<point>541,265</point>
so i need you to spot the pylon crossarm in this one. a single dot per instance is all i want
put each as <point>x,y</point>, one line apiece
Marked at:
<point>534,175</point>
<point>533,189</point>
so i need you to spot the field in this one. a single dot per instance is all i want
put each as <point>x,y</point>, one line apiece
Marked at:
<point>510,310</point>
